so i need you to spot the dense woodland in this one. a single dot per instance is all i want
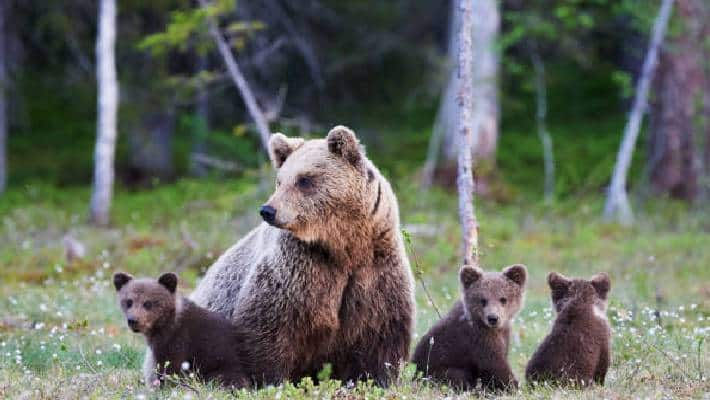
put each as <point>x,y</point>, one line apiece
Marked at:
<point>133,137</point>
<point>383,68</point>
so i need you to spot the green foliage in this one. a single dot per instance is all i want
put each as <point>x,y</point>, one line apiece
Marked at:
<point>188,29</point>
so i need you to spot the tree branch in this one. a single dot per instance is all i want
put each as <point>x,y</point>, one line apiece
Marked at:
<point>247,95</point>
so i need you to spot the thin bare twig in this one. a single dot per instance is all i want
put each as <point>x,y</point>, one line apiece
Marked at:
<point>418,273</point>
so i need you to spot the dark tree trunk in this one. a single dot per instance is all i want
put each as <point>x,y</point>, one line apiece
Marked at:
<point>202,125</point>
<point>151,149</point>
<point>675,156</point>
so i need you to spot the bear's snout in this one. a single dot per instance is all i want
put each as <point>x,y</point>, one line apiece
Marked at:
<point>492,320</point>
<point>133,324</point>
<point>268,213</point>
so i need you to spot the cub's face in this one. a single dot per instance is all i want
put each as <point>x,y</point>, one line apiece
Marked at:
<point>493,297</point>
<point>318,183</point>
<point>146,303</point>
<point>564,291</point>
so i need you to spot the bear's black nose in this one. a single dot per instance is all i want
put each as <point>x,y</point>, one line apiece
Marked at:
<point>132,322</point>
<point>268,213</point>
<point>492,320</point>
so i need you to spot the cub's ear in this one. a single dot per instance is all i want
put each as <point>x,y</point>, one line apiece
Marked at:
<point>169,280</point>
<point>469,274</point>
<point>601,284</point>
<point>516,273</point>
<point>557,281</point>
<point>342,142</point>
<point>120,279</point>
<point>280,147</point>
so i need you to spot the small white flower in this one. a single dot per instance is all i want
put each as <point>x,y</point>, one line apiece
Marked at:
<point>185,365</point>
<point>99,363</point>
<point>98,351</point>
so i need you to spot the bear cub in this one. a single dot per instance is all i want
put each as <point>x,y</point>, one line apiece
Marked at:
<point>470,343</point>
<point>577,351</point>
<point>183,337</point>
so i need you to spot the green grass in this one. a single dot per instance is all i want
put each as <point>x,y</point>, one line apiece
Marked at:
<point>62,335</point>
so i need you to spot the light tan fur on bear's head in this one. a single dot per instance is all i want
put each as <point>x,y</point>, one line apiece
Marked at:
<point>147,304</point>
<point>493,297</point>
<point>566,292</point>
<point>327,191</point>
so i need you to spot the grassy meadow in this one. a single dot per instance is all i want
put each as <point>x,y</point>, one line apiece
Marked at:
<point>62,334</point>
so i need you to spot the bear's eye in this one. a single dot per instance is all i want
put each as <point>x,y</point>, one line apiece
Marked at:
<point>129,303</point>
<point>484,302</point>
<point>304,183</point>
<point>147,305</point>
<point>503,300</point>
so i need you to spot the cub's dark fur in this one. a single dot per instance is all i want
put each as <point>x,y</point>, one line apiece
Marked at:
<point>183,337</point>
<point>471,342</point>
<point>578,349</point>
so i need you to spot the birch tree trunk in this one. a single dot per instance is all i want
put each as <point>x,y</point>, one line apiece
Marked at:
<point>617,203</point>
<point>486,26</point>
<point>541,119</point>
<point>107,84</point>
<point>443,149</point>
<point>236,74</point>
<point>466,127</point>
<point>3,113</point>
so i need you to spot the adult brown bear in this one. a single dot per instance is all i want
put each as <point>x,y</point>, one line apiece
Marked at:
<point>325,279</point>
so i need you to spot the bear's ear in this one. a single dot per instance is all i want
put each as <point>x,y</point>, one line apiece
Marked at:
<point>342,142</point>
<point>120,279</point>
<point>558,281</point>
<point>169,280</point>
<point>516,273</point>
<point>601,284</point>
<point>468,275</point>
<point>280,147</point>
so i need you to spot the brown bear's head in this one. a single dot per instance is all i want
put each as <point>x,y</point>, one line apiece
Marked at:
<point>147,304</point>
<point>566,292</point>
<point>492,298</point>
<point>321,185</point>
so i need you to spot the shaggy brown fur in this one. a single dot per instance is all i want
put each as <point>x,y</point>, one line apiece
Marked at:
<point>471,342</point>
<point>183,337</point>
<point>578,349</point>
<point>329,281</point>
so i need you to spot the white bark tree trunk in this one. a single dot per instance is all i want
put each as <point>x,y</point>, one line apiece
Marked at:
<point>617,203</point>
<point>444,142</point>
<point>542,132</point>
<point>466,128</point>
<point>486,26</point>
<point>106,128</point>
<point>236,74</point>
<point>3,114</point>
